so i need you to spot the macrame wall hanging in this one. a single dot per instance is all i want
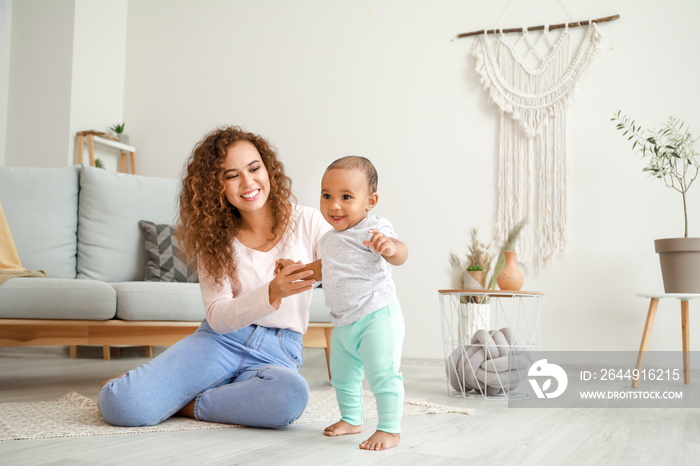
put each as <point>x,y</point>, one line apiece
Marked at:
<point>532,160</point>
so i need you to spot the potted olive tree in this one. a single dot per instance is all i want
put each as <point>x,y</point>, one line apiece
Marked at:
<point>672,158</point>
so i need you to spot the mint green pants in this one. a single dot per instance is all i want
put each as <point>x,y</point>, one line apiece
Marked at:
<point>372,347</point>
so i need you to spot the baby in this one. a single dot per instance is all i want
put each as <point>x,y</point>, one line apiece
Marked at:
<point>359,290</point>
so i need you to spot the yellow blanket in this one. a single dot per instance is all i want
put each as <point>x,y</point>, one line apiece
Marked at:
<point>10,266</point>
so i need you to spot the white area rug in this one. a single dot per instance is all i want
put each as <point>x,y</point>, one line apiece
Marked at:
<point>74,415</point>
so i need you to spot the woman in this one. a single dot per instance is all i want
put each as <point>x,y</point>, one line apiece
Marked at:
<point>240,367</point>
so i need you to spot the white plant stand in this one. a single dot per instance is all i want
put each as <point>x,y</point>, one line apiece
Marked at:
<point>685,330</point>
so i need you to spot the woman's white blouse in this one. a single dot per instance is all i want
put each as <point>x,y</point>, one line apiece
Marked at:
<point>230,308</point>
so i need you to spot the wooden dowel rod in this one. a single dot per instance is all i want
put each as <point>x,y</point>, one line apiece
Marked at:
<point>541,27</point>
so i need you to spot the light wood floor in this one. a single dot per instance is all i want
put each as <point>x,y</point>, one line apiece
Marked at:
<point>496,435</point>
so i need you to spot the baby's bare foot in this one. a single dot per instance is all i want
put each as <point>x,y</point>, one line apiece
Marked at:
<point>381,440</point>
<point>341,428</point>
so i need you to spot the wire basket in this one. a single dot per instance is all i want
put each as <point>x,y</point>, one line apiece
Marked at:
<point>489,337</point>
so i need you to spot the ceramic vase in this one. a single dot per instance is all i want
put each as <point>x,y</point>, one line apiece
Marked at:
<point>510,277</point>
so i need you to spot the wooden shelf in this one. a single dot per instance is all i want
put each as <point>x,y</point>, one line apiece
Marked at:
<point>94,139</point>
<point>113,144</point>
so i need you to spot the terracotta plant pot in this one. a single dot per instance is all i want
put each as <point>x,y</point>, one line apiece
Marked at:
<point>474,280</point>
<point>478,282</point>
<point>680,264</point>
<point>510,277</point>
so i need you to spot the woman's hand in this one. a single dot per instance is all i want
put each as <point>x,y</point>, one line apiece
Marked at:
<point>290,280</point>
<point>282,263</point>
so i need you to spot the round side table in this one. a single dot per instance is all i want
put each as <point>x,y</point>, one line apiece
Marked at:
<point>469,319</point>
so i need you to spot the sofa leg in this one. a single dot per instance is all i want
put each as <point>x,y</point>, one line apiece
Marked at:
<point>105,353</point>
<point>73,351</point>
<point>149,351</point>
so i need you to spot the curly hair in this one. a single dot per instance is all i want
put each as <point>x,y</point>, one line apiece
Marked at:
<point>208,222</point>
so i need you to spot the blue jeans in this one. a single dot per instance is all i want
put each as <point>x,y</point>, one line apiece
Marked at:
<point>248,377</point>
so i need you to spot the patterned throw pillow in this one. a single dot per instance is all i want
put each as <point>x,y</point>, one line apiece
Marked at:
<point>164,259</point>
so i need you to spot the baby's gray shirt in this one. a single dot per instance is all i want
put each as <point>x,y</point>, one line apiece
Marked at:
<point>356,279</point>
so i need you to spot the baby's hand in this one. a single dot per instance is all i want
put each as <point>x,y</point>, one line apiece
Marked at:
<point>282,263</point>
<point>381,243</point>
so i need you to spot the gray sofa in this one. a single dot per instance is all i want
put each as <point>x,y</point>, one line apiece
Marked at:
<point>80,225</point>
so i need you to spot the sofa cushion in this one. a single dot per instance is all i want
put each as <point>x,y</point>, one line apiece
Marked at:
<point>110,244</point>
<point>164,258</point>
<point>159,301</point>
<point>41,208</point>
<point>56,298</point>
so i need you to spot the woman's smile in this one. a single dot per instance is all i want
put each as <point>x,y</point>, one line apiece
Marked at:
<point>251,195</point>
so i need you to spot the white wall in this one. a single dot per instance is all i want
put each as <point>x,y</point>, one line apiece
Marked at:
<point>38,108</point>
<point>5,34</point>
<point>99,63</point>
<point>66,74</point>
<point>384,79</point>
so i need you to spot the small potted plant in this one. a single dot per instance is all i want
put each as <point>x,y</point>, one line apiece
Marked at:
<point>477,270</point>
<point>471,272</point>
<point>478,273</point>
<point>671,157</point>
<point>118,129</point>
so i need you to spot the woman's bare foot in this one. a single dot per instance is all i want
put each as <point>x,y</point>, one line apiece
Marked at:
<point>187,410</point>
<point>341,428</point>
<point>381,440</point>
<point>109,380</point>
